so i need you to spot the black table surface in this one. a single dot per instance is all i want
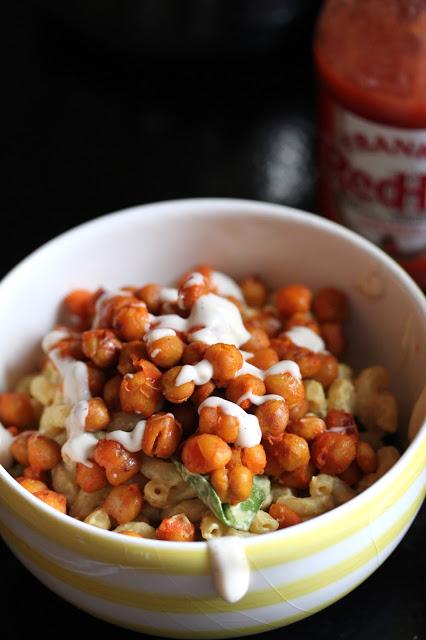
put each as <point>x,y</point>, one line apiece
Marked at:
<point>88,130</point>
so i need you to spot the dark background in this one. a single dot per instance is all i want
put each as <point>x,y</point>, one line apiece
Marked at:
<point>111,104</point>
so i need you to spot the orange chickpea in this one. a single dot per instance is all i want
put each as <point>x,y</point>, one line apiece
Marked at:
<point>366,457</point>
<point>96,379</point>
<point>19,448</point>
<point>186,414</point>
<point>205,270</point>
<point>254,458</point>
<point>194,352</point>
<point>120,465</point>
<point>328,371</point>
<point>351,475</point>
<point>287,386</point>
<point>254,291</point>
<point>171,391</point>
<point>166,352</point>
<point>268,320</point>
<point>98,416</point>
<point>111,306</point>
<point>286,517</point>
<point>240,483</point>
<point>330,305</point>
<point>333,336</point>
<point>293,298</point>
<point>176,529</point>
<point>43,453</point>
<point>302,319</point>
<point>140,392</point>
<point>101,347</point>
<point>299,410</point>
<point>235,460</point>
<point>161,436</point>
<point>241,385</point>
<point>299,478</point>
<point>226,361</point>
<point>112,393</point>
<point>32,485</point>
<point>342,421</point>
<point>220,482</point>
<point>193,287</point>
<point>259,339</point>
<point>291,451</point>
<point>205,452</point>
<point>77,302</point>
<point>309,363</point>
<point>124,503</point>
<point>70,347</point>
<point>16,409</point>
<point>53,499</point>
<point>151,295</point>
<point>202,392</point>
<point>131,321</point>
<point>308,427</point>
<point>132,357</point>
<point>33,474</point>
<point>333,452</point>
<point>90,478</point>
<point>214,420</point>
<point>273,417</point>
<point>264,358</point>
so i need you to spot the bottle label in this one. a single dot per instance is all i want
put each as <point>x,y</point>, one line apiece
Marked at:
<point>374,180</point>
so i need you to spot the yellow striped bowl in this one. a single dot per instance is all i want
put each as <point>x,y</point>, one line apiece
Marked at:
<point>165,588</point>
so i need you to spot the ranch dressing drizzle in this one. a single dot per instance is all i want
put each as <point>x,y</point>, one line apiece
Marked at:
<point>6,440</point>
<point>130,440</point>
<point>102,300</point>
<point>304,337</point>
<point>284,366</point>
<point>249,432</point>
<point>199,373</point>
<point>258,400</point>
<point>229,567</point>
<point>194,279</point>
<point>226,286</point>
<point>168,294</point>
<point>157,334</point>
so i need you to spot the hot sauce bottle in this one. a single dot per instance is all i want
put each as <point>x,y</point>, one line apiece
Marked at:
<point>371,61</point>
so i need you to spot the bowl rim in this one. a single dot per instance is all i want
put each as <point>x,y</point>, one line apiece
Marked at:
<point>199,207</point>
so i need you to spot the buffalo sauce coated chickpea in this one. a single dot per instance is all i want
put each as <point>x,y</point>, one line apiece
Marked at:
<point>254,458</point>
<point>91,478</point>
<point>194,352</point>
<point>132,357</point>
<point>151,295</point>
<point>166,352</point>
<point>43,453</point>
<point>120,465</point>
<point>77,302</point>
<point>333,336</point>
<point>264,358</point>
<point>259,339</point>
<point>328,371</point>
<point>232,484</point>
<point>287,386</point>
<point>131,321</point>
<point>286,517</point>
<point>98,416</point>
<point>193,287</point>
<point>111,393</point>
<point>214,420</point>
<point>291,451</point>
<point>177,528</point>
<point>293,298</point>
<point>140,391</point>
<point>19,448</point>
<point>53,499</point>
<point>96,379</point>
<point>124,503</point>
<point>173,392</point>
<point>299,478</point>
<point>302,319</point>
<point>205,452</point>
<point>161,436</point>
<point>254,291</point>
<point>241,385</point>
<point>16,410</point>
<point>330,305</point>
<point>308,427</point>
<point>101,347</point>
<point>333,452</point>
<point>273,417</point>
<point>202,392</point>
<point>226,361</point>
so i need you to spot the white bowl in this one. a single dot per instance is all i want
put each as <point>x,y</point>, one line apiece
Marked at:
<point>165,588</point>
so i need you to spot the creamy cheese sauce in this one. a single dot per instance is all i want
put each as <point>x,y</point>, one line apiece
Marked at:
<point>249,432</point>
<point>130,440</point>
<point>229,567</point>
<point>6,440</point>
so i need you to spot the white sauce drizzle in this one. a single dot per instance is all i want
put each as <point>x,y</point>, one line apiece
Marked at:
<point>258,400</point>
<point>284,366</point>
<point>6,440</point>
<point>249,432</point>
<point>229,567</point>
<point>157,334</point>
<point>130,440</point>
<point>102,300</point>
<point>168,294</point>
<point>193,279</point>
<point>55,336</point>
<point>305,337</point>
<point>199,373</point>
<point>155,353</point>
<point>226,286</point>
<point>246,354</point>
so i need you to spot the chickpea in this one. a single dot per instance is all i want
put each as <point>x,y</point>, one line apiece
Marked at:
<point>171,391</point>
<point>194,352</point>
<point>351,475</point>
<point>220,482</point>
<point>299,478</point>
<point>32,485</point>
<point>366,457</point>
<point>140,392</point>
<point>92,478</point>
<point>329,370</point>
<point>273,417</point>
<point>176,529</point>
<point>240,484</point>
<point>254,291</point>
<point>254,458</point>
<point>264,358</point>
<point>70,348</point>
<point>291,452</point>
<point>33,474</point>
<point>151,295</point>
<point>309,363</point>
<point>302,319</point>
<point>202,392</point>
<point>333,452</point>
<point>330,305</point>
<point>161,436</point>
<point>101,347</point>
<point>132,356</point>
<point>120,465</point>
<point>186,414</point>
<point>286,517</point>
<point>77,303</point>
<point>308,427</point>
<point>241,385</point>
<point>293,298</point>
<point>287,386</point>
<point>112,393</point>
<point>98,416</point>
<point>43,453</point>
<point>166,352</point>
<point>235,461</point>
<point>299,410</point>
<point>19,448</point>
<point>111,306</point>
<point>16,409</point>
<point>205,452</point>
<point>214,420</point>
<point>194,286</point>
<point>333,336</point>
<point>124,503</point>
<point>226,361</point>
<point>268,320</point>
<point>336,419</point>
<point>96,380</point>
<point>53,499</point>
<point>131,321</point>
<point>259,339</point>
